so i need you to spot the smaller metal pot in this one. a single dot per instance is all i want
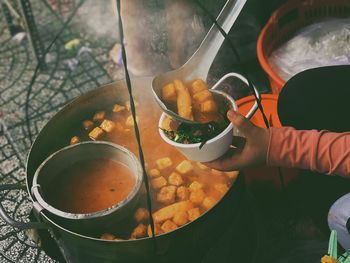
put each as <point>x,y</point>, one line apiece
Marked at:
<point>94,222</point>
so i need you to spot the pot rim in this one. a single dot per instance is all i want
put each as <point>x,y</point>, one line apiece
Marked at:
<point>72,103</point>
<point>78,216</point>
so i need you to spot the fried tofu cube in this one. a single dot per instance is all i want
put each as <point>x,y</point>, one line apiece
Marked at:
<point>118,127</point>
<point>128,107</point>
<point>169,124</point>
<point>193,213</point>
<point>166,124</point>
<point>184,167</point>
<point>158,182</point>
<point>197,197</point>
<point>154,173</point>
<point>202,96</point>
<point>180,218</point>
<point>107,236</point>
<point>168,226</point>
<point>164,163</point>
<point>139,231</point>
<point>96,133</point>
<point>99,116</point>
<point>169,93</point>
<point>197,86</point>
<point>87,124</point>
<point>118,108</point>
<point>170,211</point>
<point>207,117</point>
<point>208,202</point>
<point>202,166</point>
<point>74,140</point>
<point>232,175</point>
<point>130,121</point>
<point>175,179</point>
<point>141,215</point>
<point>208,106</point>
<point>182,193</point>
<point>167,194</point>
<point>184,101</point>
<point>216,172</point>
<point>157,230</point>
<point>222,188</point>
<point>107,126</point>
<point>195,185</point>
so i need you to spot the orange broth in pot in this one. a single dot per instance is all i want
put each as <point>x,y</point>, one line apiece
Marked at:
<point>155,148</point>
<point>213,183</point>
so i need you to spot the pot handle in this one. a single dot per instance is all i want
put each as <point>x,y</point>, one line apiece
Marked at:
<point>9,220</point>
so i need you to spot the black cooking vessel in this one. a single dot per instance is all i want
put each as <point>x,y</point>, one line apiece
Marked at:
<point>186,244</point>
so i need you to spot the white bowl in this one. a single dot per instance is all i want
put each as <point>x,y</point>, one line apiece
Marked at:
<point>212,149</point>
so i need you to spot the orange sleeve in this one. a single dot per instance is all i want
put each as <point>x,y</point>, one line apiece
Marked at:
<point>319,151</point>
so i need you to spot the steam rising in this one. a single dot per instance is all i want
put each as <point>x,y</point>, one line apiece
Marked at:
<point>160,35</point>
<point>98,19</point>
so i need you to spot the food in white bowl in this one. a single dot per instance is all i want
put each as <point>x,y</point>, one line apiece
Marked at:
<point>195,102</point>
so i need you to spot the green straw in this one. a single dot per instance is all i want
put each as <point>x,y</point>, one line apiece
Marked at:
<point>333,245</point>
<point>345,258</point>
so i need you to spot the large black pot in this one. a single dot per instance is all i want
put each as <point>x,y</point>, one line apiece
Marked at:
<point>186,244</point>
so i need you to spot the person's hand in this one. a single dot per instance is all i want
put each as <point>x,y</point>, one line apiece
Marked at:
<point>251,150</point>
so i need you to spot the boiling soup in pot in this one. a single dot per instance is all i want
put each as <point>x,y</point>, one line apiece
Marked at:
<point>181,190</point>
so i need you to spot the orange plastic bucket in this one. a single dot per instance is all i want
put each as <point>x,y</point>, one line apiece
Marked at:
<point>269,103</point>
<point>288,19</point>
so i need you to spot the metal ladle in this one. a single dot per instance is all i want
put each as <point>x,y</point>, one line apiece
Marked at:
<point>197,67</point>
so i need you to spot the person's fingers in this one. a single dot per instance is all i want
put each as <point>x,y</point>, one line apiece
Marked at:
<point>228,162</point>
<point>238,142</point>
<point>218,164</point>
<point>241,123</point>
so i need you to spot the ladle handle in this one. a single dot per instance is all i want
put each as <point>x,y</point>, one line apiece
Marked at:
<point>208,49</point>
<point>12,222</point>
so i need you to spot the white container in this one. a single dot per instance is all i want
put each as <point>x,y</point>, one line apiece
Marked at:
<point>212,149</point>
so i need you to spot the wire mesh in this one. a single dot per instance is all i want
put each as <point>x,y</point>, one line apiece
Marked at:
<point>68,75</point>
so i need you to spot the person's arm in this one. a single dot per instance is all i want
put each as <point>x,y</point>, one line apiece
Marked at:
<point>320,151</point>
<point>323,151</point>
